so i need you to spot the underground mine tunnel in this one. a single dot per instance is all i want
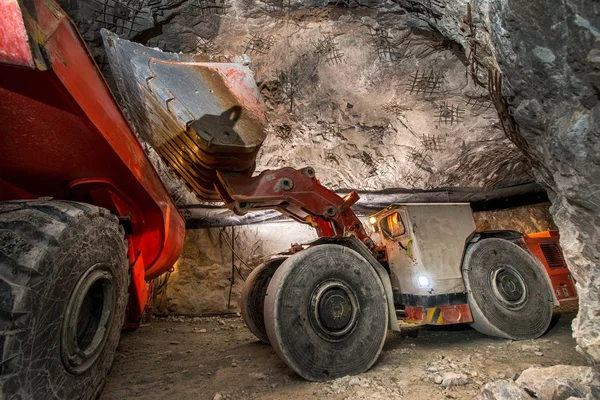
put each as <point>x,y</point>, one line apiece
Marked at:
<point>231,199</point>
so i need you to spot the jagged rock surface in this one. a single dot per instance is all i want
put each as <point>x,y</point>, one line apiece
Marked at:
<point>505,389</point>
<point>370,97</point>
<point>560,382</point>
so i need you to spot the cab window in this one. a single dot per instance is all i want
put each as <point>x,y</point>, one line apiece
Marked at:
<point>392,225</point>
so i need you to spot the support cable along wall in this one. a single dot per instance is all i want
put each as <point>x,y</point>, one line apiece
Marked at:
<point>121,17</point>
<point>479,103</point>
<point>449,114</point>
<point>277,8</point>
<point>478,72</point>
<point>127,19</point>
<point>426,83</point>
<point>231,244</point>
<point>289,81</point>
<point>258,43</point>
<point>434,143</point>
<point>208,8</point>
<point>508,123</point>
<point>384,44</point>
<point>426,10</point>
<point>510,127</point>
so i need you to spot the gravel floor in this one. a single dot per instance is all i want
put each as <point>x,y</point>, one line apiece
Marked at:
<point>218,358</point>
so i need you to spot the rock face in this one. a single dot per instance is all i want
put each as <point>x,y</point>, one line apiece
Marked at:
<point>505,389</point>
<point>202,276</point>
<point>378,94</point>
<point>561,382</point>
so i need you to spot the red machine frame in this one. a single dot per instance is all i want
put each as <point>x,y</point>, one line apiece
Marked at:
<point>546,247</point>
<point>64,136</point>
<point>297,194</point>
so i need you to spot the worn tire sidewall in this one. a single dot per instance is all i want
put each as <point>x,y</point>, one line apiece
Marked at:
<point>489,313</point>
<point>252,299</point>
<point>94,240</point>
<point>288,324</point>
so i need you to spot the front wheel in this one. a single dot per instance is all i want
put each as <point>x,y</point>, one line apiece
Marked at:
<point>63,293</point>
<point>509,293</point>
<point>326,313</point>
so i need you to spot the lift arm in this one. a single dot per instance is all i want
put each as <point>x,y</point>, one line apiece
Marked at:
<point>297,194</point>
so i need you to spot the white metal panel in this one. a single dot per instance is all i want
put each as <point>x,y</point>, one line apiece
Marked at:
<point>438,234</point>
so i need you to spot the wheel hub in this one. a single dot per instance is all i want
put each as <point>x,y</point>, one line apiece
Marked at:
<point>87,319</point>
<point>508,286</point>
<point>334,309</point>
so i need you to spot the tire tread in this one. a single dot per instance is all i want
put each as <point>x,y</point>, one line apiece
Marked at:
<point>35,226</point>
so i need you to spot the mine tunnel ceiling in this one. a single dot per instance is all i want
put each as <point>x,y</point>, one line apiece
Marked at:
<point>371,100</point>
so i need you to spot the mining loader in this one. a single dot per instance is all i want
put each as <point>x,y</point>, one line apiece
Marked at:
<point>326,306</point>
<point>86,224</point>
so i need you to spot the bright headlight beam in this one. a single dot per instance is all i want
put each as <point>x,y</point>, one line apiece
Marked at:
<point>372,220</point>
<point>423,281</point>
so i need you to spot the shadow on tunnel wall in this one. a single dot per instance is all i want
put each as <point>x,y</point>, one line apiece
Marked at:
<point>220,127</point>
<point>143,22</point>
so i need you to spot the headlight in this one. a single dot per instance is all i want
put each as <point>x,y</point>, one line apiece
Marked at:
<point>423,281</point>
<point>372,220</point>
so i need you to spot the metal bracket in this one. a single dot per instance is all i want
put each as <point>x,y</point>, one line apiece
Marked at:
<point>297,194</point>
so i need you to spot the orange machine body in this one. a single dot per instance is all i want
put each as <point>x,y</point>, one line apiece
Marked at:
<point>546,247</point>
<point>64,136</point>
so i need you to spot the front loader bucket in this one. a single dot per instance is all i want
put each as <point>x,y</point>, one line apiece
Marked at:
<point>199,116</point>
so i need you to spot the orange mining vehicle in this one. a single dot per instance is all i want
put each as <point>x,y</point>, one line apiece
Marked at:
<point>85,222</point>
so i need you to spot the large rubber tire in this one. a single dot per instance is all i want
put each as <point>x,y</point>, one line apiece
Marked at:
<point>508,290</point>
<point>252,301</point>
<point>63,293</point>
<point>315,346</point>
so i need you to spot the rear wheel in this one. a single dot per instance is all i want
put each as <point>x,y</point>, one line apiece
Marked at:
<point>326,313</point>
<point>253,297</point>
<point>63,293</point>
<point>509,294</point>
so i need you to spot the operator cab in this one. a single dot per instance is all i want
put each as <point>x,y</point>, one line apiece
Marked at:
<point>423,245</point>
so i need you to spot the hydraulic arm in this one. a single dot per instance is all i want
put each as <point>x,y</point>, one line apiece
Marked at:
<point>297,194</point>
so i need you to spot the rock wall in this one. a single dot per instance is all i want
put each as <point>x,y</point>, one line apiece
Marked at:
<point>555,85</point>
<point>202,276</point>
<point>540,61</point>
